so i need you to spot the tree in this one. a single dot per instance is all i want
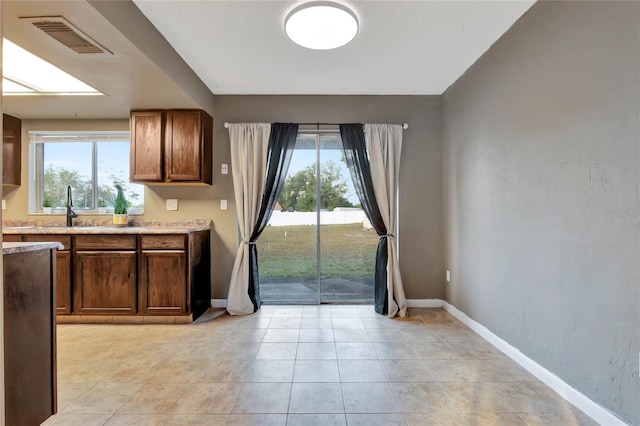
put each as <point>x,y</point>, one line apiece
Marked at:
<point>57,179</point>
<point>299,191</point>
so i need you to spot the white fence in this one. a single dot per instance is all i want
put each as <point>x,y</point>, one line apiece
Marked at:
<point>339,215</point>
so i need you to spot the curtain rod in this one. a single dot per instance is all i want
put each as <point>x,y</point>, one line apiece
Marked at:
<point>405,126</point>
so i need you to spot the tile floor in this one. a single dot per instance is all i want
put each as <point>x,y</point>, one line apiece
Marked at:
<point>297,365</point>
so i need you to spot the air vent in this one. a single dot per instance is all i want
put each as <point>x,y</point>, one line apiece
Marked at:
<point>64,32</point>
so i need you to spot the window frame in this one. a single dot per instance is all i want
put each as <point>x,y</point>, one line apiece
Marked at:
<point>37,141</point>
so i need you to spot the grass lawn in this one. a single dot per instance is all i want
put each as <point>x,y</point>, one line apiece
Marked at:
<point>348,251</point>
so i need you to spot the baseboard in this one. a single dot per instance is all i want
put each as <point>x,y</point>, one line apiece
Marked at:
<point>598,413</point>
<point>424,303</point>
<point>412,303</point>
<point>218,303</point>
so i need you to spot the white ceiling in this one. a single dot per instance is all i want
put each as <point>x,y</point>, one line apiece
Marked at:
<point>413,47</point>
<point>403,47</point>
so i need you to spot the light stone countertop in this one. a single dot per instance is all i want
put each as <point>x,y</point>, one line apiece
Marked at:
<point>151,227</point>
<point>101,230</point>
<point>13,248</point>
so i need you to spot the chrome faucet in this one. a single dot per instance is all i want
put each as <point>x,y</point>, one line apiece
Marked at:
<point>70,213</point>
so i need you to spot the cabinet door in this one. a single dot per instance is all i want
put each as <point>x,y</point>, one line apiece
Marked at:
<point>11,150</point>
<point>147,152</point>
<point>163,282</point>
<point>63,282</point>
<point>183,145</point>
<point>63,269</point>
<point>105,282</point>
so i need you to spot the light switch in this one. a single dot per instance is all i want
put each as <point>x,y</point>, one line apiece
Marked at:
<point>223,204</point>
<point>172,204</point>
<point>224,169</point>
<point>448,276</point>
<point>4,204</point>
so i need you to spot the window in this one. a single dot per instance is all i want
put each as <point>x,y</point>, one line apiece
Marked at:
<point>91,163</point>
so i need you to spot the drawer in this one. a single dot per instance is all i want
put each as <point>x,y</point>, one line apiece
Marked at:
<point>65,240</point>
<point>164,242</point>
<point>105,242</point>
<point>12,238</point>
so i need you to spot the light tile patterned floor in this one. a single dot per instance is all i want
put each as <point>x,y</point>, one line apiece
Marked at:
<point>297,365</point>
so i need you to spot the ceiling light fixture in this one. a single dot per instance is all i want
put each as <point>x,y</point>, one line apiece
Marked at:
<point>27,74</point>
<point>321,25</point>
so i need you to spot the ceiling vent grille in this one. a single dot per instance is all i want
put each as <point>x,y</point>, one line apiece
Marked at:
<point>64,32</point>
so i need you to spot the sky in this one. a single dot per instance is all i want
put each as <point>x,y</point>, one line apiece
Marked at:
<point>113,159</point>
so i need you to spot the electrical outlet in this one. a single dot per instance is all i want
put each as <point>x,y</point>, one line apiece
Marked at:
<point>223,204</point>
<point>172,204</point>
<point>448,276</point>
<point>224,169</point>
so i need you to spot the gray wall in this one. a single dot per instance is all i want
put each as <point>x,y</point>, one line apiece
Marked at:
<point>420,235</point>
<point>541,179</point>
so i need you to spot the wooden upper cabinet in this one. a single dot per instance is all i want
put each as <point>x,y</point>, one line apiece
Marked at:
<point>173,146</point>
<point>11,149</point>
<point>147,154</point>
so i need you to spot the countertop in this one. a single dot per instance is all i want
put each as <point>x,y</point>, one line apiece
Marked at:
<point>102,229</point>
<point>105,227</point>
<point>13,248</point>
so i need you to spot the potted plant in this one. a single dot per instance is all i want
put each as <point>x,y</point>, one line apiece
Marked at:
<point>46,205</point>
<point>102,206</point>
<point>120,207</point>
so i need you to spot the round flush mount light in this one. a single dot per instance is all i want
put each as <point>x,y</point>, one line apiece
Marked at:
<point>321,25</point>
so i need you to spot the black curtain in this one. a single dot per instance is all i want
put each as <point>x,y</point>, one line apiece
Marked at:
<point>281,143</point>
<point>355,151</point>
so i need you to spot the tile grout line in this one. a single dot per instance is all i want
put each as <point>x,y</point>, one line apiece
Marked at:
<point>368,333</point>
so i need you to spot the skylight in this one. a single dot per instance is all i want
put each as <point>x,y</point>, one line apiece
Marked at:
<point>26,74</point>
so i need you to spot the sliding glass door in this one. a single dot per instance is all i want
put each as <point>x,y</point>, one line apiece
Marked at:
<point>287,248</point>
<point>318,247</point>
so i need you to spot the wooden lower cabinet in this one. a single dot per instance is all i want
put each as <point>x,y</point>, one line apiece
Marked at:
<point>29,338</point>
<point>163,282</point>
<point>63,282</point>
<point>134,274</point>
<point>9,238</point>
<point>63,269</point>
<point>105,282</point>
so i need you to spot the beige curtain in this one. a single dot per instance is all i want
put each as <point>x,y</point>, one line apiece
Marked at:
<point>249,145</point>
<point>385,145</point>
